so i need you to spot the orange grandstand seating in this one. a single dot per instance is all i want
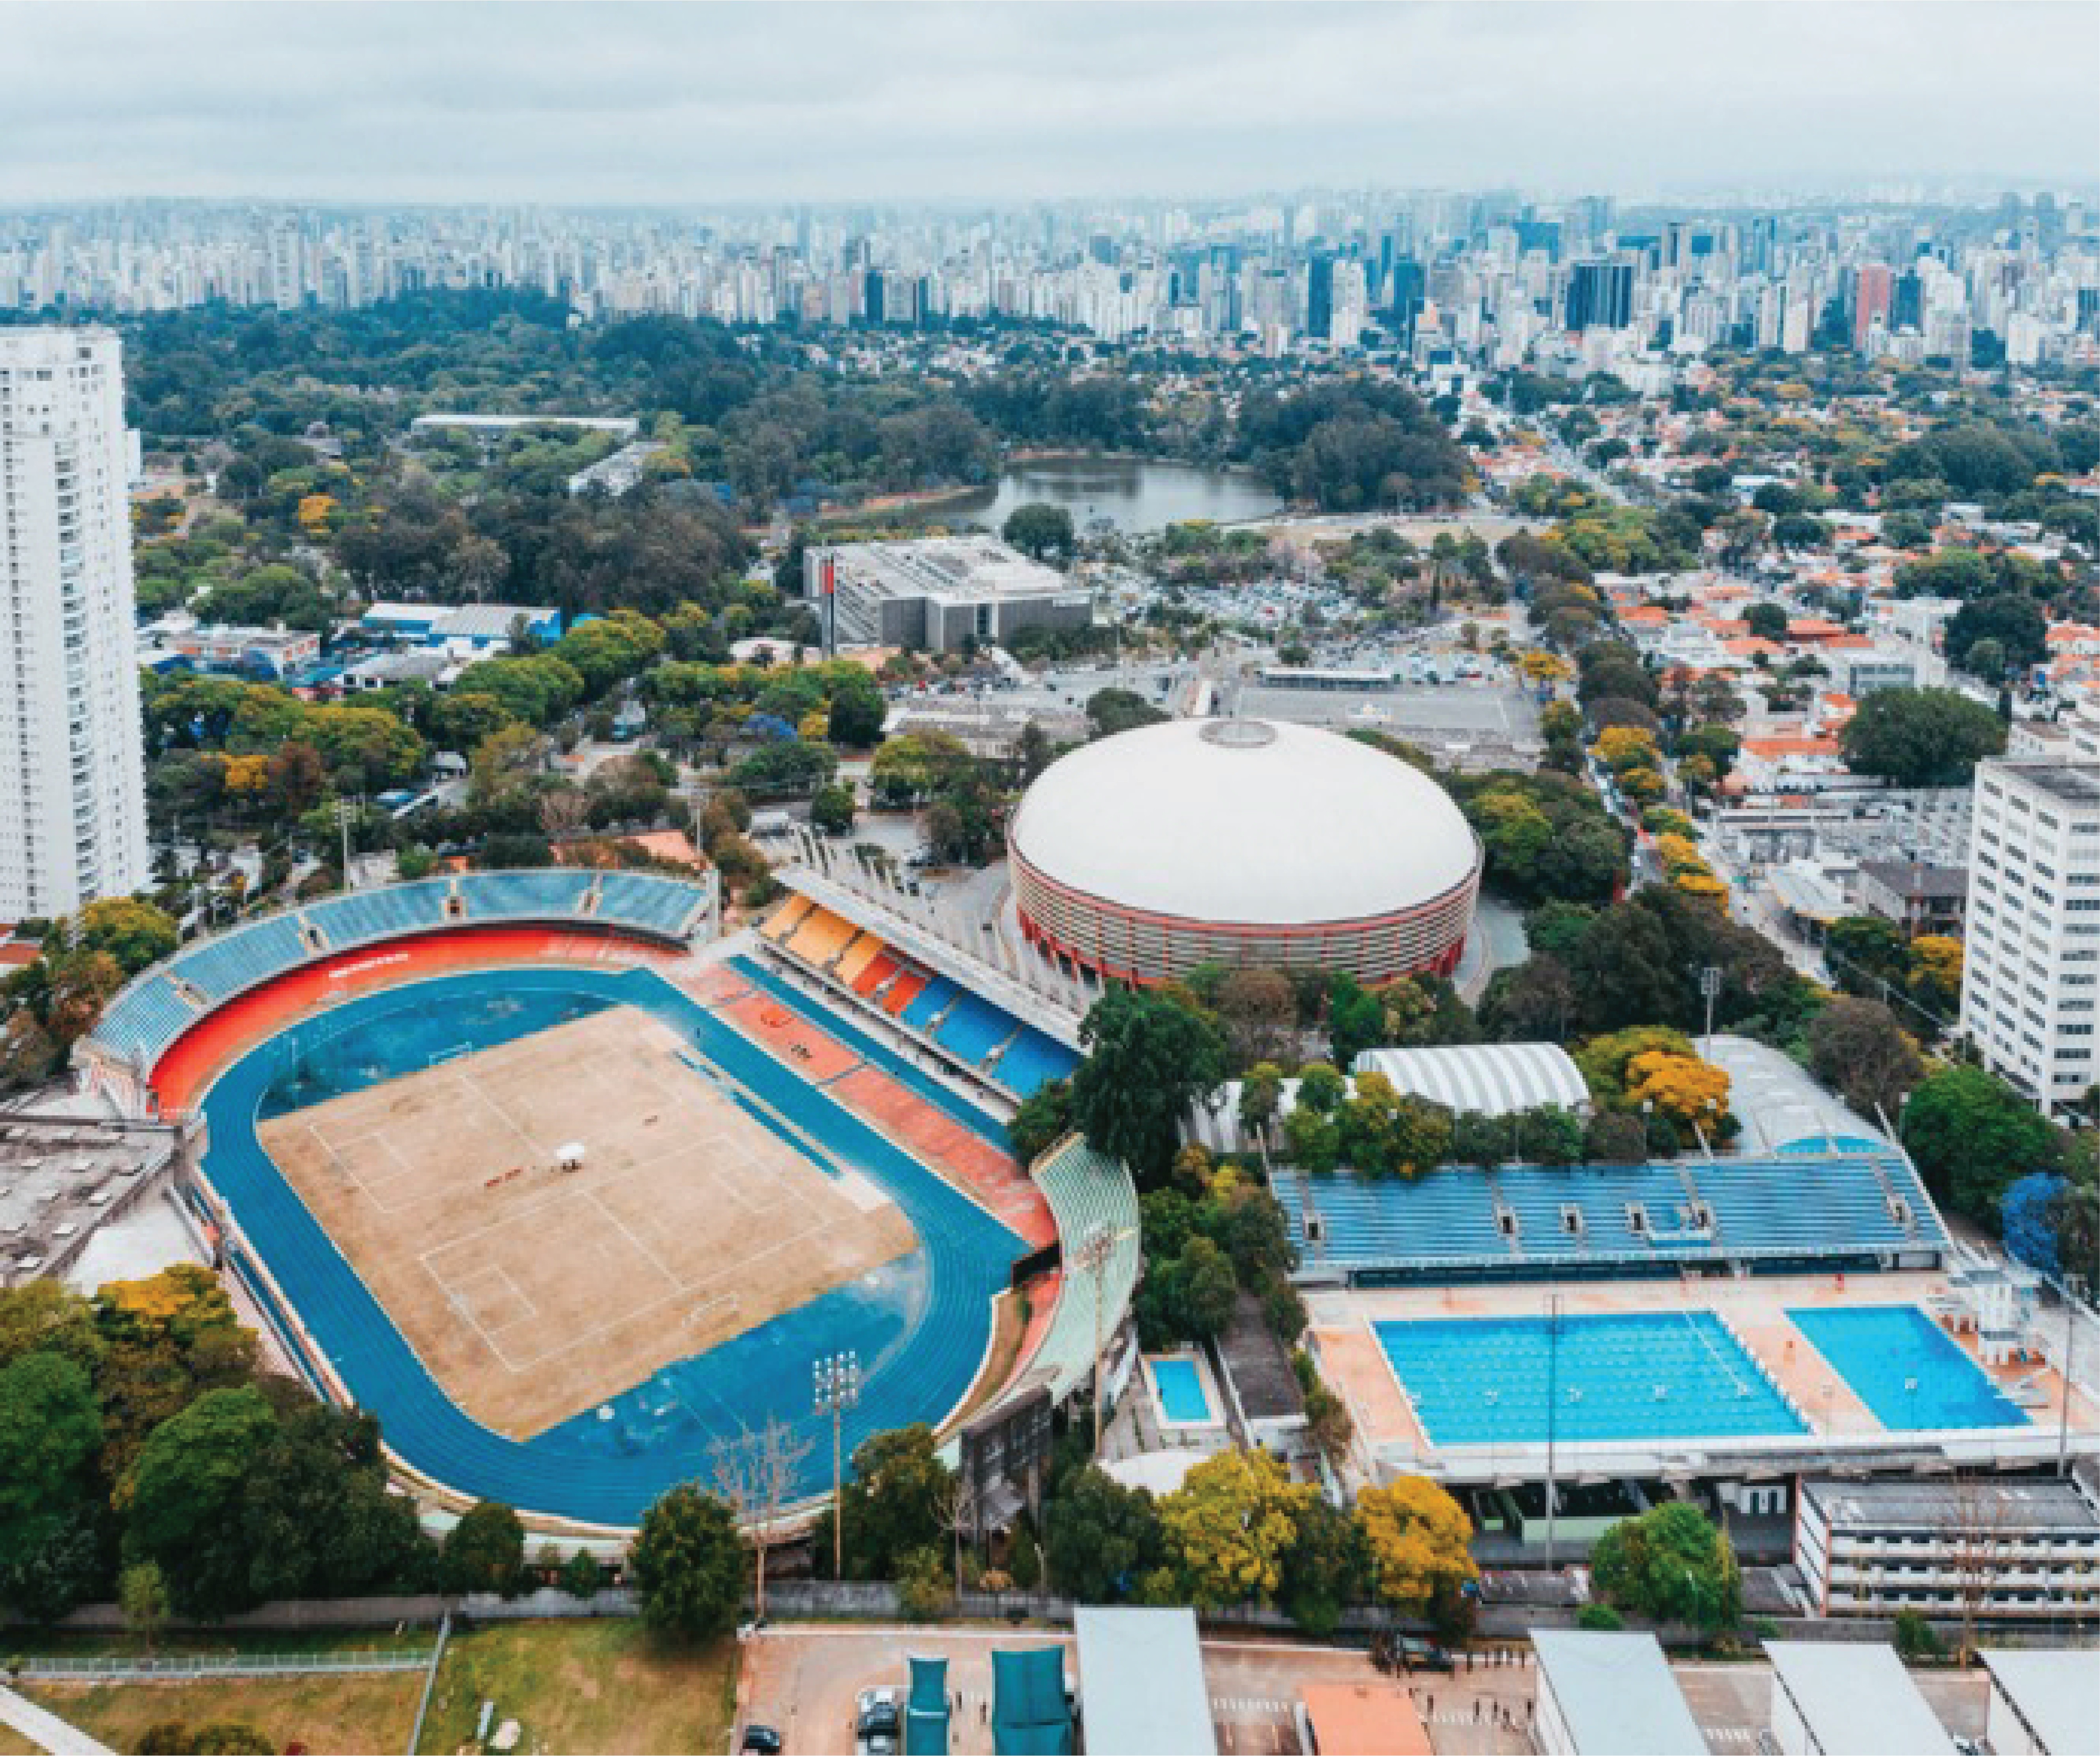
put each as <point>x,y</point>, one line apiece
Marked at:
<point>785,919</point>
<point>879,971</point>
<point>821,937</point>
<point>857,956</point>
<point>905,990</point>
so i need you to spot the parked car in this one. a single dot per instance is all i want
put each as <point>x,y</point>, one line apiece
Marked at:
<point>761,1740</point>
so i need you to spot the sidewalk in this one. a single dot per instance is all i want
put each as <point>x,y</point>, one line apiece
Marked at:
<point>47,1730</point>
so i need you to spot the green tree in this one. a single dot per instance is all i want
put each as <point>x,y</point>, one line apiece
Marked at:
<point>1920,737</point>
<point>688,1565</point>
<point>1324,1569</point>
<point>1040,530</point>
<point>1110,711</point>
<point>1044,1118</point>
<point>1150,1061</point>
<point>2011,620</point>
<point>1973,1135</point>
<point>142,1594</point>
<point>857,712</point>
<point>831,808</point>
<point>1766,621</point>
<point>1670,1564</point>
<point>1857,1048</point>
<point>894,1503</point>
<point>50,1431</point>
<point>184,1510</point>
<point>1100,1537</point>
<point>485,1550</point>
<point>133,931</point>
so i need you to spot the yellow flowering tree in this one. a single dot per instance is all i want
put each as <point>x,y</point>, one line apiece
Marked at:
<point>1419,1539</point>
<point>1688,1091</point>
<point>1231,1525</point>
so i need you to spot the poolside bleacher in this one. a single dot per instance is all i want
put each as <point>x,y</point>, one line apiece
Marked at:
<point>820,937</point>
<point>1847,1210</point>
<point>1088,1192</point>
<point>854,960</point>
<point>783,921</point>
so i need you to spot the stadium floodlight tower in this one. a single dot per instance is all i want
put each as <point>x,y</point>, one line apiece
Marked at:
<point>838,1390</point>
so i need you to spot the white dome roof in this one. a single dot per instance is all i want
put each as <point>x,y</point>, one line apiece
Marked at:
<point>1252,821</point>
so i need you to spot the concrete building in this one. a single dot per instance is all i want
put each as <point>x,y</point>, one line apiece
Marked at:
<point>1918,896</point>
<point>72,793</point>
<point>937,593</point>
<point>1832,1699</point>
<point>2003,1547</point>
<point>2030,988</point>
<point>466,626</point>
<point>1608,1695</point>
<point>2043,1702</point>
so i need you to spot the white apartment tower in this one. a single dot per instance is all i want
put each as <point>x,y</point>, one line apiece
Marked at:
<point>73,794</point>
<point>2031,983</point>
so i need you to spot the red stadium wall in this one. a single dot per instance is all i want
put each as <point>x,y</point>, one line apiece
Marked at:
<point>197,1056</point>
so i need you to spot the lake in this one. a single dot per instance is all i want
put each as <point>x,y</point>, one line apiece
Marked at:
<point>1136,496</point>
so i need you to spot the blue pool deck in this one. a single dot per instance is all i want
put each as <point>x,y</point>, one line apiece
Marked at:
<point>1177,1384</point>
<point>1486,1381</point>
<point>1912,1377</point>
<point>920,1324</point>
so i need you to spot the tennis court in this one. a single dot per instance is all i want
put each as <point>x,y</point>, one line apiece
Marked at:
<point>919,1321</point>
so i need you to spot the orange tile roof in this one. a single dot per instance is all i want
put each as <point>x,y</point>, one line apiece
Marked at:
<point>1770,746</point>
<point>1363,1719</point>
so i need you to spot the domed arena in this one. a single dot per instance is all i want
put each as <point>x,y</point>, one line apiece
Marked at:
<point>1246,842</point>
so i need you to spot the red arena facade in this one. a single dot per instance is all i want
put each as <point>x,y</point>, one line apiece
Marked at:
<point>1243,842</point>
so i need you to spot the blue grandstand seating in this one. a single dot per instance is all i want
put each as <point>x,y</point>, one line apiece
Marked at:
<point>1032,1061</point>
<point>219,968</point>
<point>144,1019</point>
<point>512,896</point>
<point>362,916</point>
<point>657,905</point>
<point>1782,1211</point>
<point>930,1001</point>
<point>974,1027</point>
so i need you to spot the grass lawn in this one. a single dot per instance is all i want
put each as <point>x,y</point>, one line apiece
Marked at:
<point>12,1743</point>
<point>585,1688</point>
<point>332,1716</point>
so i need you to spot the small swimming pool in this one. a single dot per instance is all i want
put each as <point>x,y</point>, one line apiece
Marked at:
<point>1180,1385</point>
<point>1504,1380</point>
<point>1912,1376</point>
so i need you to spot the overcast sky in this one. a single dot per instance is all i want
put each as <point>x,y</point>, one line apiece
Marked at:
<point>610,105</point>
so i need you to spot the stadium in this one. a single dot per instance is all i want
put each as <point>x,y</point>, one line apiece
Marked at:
<point>1142,856</point>
<point>566,1191</point>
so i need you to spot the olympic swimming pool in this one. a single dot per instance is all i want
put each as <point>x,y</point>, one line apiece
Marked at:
<point>920,1326</point>
<point>1506,1380</point>
<point>1912,1377</point>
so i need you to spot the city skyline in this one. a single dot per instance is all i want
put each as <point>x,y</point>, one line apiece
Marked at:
<point>614,106</point>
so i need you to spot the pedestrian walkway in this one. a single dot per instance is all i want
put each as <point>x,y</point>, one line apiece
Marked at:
<point>45,1729</point>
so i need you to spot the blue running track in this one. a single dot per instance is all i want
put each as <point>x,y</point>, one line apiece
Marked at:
<point>920,1324</point>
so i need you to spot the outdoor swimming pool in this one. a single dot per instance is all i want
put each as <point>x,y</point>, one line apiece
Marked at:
<point>1496,1380</point>
<point>1181,1394</point>
<point>1911,1376</point>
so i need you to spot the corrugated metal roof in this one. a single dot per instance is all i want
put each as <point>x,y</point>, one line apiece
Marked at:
<point>1856,1700</point>
<point>1141,1683</point>
<point>1616,1694</point>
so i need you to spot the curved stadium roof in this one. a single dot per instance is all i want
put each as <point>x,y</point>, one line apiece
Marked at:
<point>1244,820</point>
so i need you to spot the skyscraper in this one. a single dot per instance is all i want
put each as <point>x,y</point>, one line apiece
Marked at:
<point>1600,296</point>
<point>72,796</point>
<point>1319,295</point>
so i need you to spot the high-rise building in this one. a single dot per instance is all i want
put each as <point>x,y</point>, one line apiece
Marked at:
<point>1600,296</point>
<point>73,794</point>
<point>1872,288</point>
<point>1319,295</point>
<point>2030,981</point>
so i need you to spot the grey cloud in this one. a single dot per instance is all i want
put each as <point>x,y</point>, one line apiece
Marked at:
<point>604,104</point>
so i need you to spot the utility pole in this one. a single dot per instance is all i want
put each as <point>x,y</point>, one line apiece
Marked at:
<point>1710,985</point>
<point>1092,1256</point>
<point>345,811</point>
<point>1552,1415</point>
<point>837,1390</point>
